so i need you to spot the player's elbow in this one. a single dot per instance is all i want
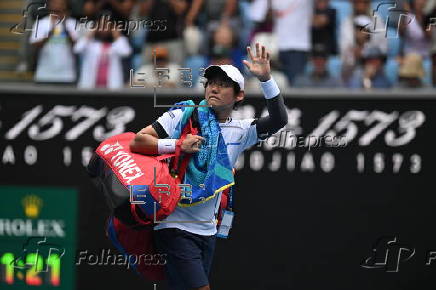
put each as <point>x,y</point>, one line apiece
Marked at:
<point>276,127</point>
<point>283,121</point>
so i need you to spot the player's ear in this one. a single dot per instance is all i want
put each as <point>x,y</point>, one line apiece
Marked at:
<point>240,96</point>
<point>239,99</point>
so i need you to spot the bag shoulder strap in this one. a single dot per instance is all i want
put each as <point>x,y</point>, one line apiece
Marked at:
<point>178,165</point>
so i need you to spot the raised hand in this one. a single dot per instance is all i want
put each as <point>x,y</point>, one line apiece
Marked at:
<point>260,64</point>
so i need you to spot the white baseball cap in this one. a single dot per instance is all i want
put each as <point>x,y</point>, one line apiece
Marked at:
<point>362,20</point>
<point>231,71</point>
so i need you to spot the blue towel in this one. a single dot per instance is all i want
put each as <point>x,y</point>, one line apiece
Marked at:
<point>210,167</point>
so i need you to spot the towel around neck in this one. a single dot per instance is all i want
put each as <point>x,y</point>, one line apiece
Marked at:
<point>209,171</point>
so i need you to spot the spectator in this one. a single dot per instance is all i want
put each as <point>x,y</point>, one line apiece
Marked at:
<point>195,60</point>
<point>119,9</point>
<point>247,24</point>
<point>220,55</point>
<point>26,58</point>
<point>260,13</point>
<point>351,58</point>
<point>193,39</point>
<point>324,27</point>
<point>208,15</point>
<point>205,17</point>
<point>292,26</point>
<point>415,40</point>
<point>102,51</point>
<point>169,17</point>
<point>223,48</point>
<point>320,77</point>
<point>170,76</point>
<point>371,74</point>
<point>53,37</point>
<point>411,72</point>
<point>363,17</point>
<point>215,12</point>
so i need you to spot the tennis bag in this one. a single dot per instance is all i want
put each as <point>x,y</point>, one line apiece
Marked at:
<point>149,182</point>
<point>131,184</point>
<point>136,243</point>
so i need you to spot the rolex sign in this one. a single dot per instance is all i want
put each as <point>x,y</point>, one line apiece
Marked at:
<point>37,237</point>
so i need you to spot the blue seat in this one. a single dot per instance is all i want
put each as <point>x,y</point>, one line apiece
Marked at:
<point>394,44</point>
<point>428,71</point>
<point>334,66</point>
<point>343,9</point>
<point>391,70</point>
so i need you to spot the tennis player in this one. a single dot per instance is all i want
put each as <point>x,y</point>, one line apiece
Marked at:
<point>190,245</point>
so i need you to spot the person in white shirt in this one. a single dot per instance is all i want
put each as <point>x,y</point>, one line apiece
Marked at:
<point>190,246</point>
<point>102,50</point>
<point>293,30</point>
<point>53,36</point>
<point>416,38</point>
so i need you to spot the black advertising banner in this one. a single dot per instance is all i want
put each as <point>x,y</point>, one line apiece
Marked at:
<point>340,198</point>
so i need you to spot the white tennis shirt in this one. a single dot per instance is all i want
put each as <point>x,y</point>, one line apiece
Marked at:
<point>238,135</point>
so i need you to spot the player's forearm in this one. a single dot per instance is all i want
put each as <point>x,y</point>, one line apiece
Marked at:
<point>144,144</point>
<point>277,112</point>
<point>149,145</point>
<point>277,116</point>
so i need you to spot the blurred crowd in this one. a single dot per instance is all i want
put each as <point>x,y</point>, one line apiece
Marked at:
<point>168,43</point>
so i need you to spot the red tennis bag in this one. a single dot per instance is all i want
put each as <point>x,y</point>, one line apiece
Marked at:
<point>137,245</point>
<point>132,185</point>
<point>149,182</point>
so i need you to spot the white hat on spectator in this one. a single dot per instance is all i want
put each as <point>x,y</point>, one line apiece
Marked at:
<point>362,20</point>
